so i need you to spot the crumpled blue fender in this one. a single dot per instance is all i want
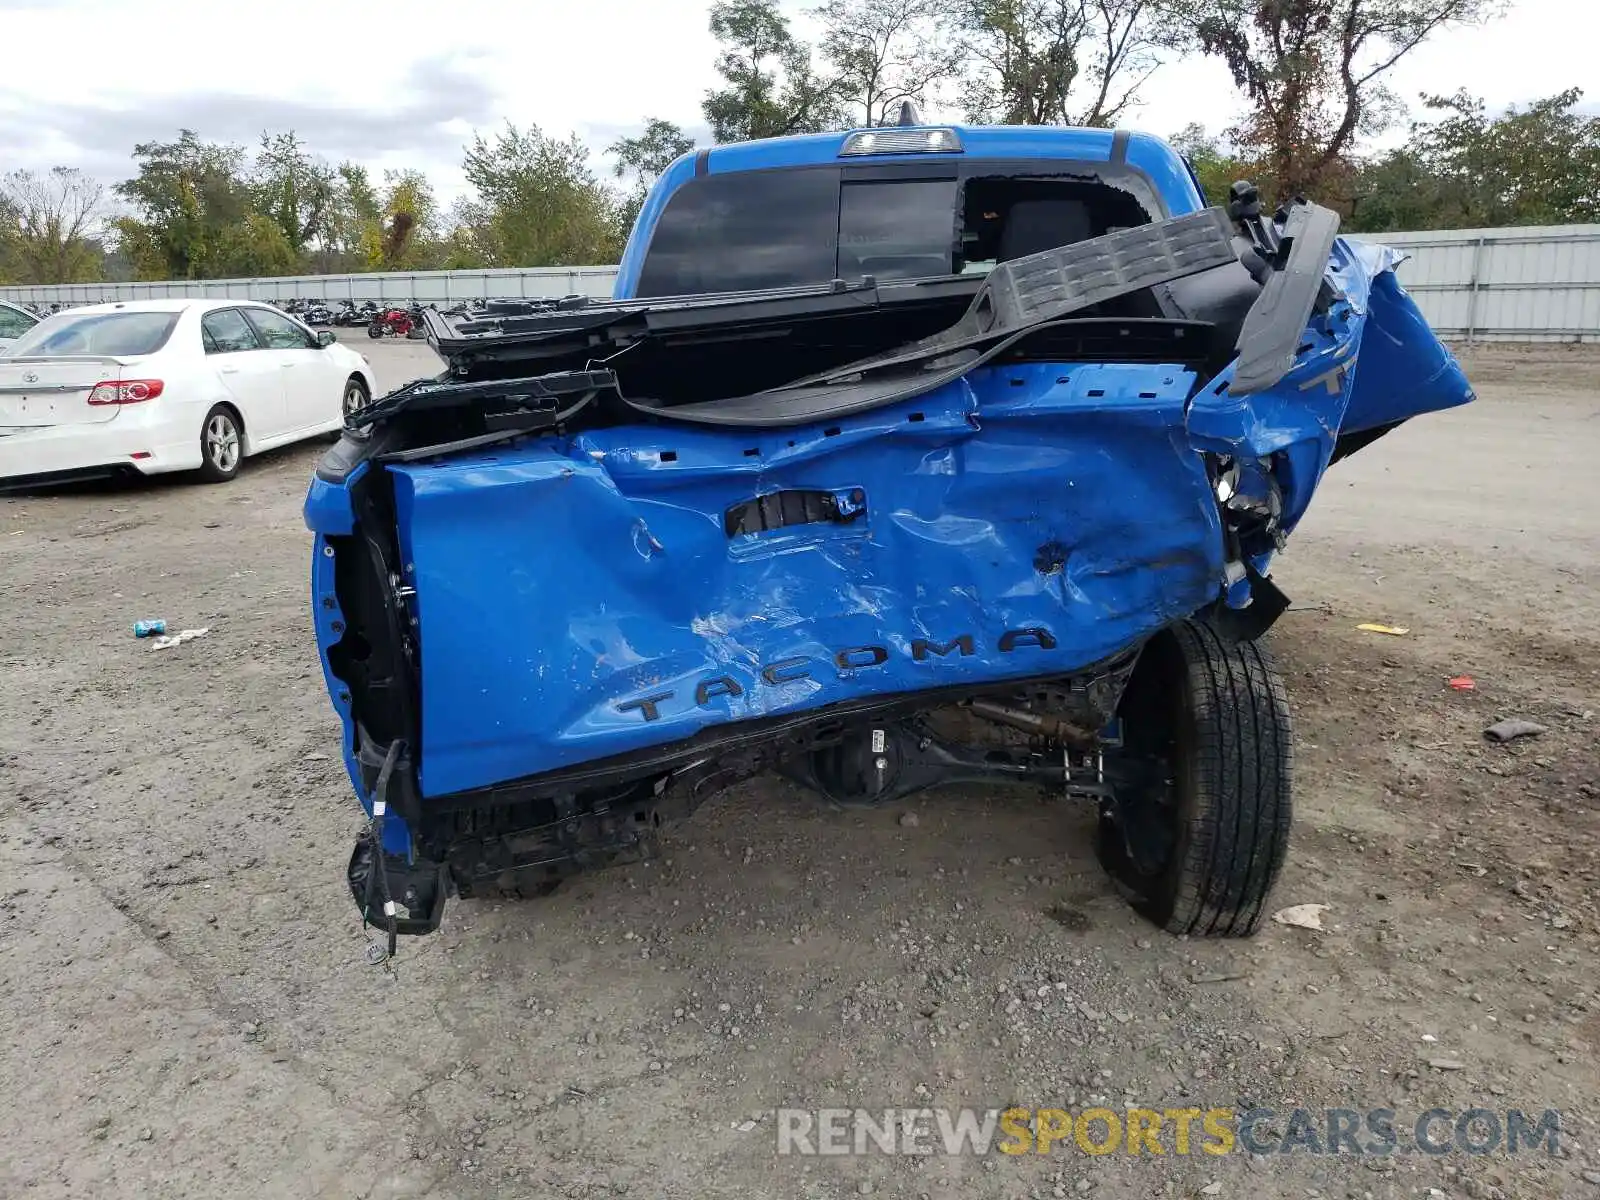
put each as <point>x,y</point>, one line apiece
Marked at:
<point>1371,360</point>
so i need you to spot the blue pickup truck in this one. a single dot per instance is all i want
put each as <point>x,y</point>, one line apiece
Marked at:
<point>901,456</point>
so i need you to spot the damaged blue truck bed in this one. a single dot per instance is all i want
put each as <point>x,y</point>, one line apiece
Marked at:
<point>903,457</point>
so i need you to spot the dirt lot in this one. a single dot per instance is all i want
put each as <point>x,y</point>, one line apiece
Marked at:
<point>186,1008</point>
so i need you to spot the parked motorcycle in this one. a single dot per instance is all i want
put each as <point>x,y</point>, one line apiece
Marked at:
<point>353,315</point>
<point>396,322</point>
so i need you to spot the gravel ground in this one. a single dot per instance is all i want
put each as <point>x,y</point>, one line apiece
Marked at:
<point>186,1008</point>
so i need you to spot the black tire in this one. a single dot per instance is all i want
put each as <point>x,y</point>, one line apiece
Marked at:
<point>1198,849</point>
<point>376,330</point>
<point>221,444</point>
<point>356,396</point>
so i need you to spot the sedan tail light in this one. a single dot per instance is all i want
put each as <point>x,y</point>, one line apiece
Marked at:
<point>125,391</point>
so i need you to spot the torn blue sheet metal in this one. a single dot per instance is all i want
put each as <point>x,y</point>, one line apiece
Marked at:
<point>577,597</point>
<point>581,597</point>
<point>1370,360</point>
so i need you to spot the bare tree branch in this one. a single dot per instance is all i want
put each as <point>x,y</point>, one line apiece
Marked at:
<point>55,218</point>
<point>1312,69</point>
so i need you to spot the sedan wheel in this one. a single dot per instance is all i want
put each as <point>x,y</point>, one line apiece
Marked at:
<point>355,397</point>
<point>221,445</point>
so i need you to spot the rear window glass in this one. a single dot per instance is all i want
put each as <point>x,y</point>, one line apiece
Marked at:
<point>788,228</point>
<point>897,228</point>
<point>737,233</point>
<point>119,333</point>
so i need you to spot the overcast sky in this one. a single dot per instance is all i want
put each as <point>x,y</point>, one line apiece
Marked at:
<point>400,83</point>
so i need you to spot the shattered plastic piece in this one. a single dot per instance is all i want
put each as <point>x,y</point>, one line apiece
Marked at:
<point>1512,728</point>
<point>177,639</point>
<point>1391,630</point>
<point>1464,683</point>
<point>1302,916</point>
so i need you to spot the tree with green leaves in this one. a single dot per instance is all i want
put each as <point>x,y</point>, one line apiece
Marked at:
<point>297,190</point>
<point>195,215</point>
<point>1057,62</point>
<point>535,203</point>
<point>1313,72</point>
<point>1217,165</point>
<point>49,225</point>
<point>884,52</point>
<point>639,161</point>
<point>408,213</point>
<point>769,86</point>
<point>1538,165</point>
<point>355,213</point>
<point>9,222</point>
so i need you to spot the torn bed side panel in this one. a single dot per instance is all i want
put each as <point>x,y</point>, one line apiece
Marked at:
<point>1405,369</point>
<point>1369,360</point>
<point>627,587</point>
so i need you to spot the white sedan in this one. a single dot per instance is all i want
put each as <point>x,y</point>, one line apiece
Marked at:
<point>14,322</point>
<point>150,386</point>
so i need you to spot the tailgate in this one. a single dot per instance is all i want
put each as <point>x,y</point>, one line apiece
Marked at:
<point>586,597</point>
<point>55,391</point>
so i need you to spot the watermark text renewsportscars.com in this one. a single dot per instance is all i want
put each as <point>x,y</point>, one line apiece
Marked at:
<point>1371,1132</point>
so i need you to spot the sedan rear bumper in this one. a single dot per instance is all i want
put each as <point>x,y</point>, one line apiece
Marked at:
<point>48,479</point>
<point>142,443</point>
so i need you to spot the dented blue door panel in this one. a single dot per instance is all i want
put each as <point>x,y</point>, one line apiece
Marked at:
<point>581,597</point>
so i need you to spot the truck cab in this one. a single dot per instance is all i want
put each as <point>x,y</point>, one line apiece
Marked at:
<point>903,202</point>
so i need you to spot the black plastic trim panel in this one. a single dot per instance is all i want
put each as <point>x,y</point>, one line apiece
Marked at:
<point>1276,323</point>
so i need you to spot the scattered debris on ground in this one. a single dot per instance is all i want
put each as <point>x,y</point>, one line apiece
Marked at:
<point>1513,728</point>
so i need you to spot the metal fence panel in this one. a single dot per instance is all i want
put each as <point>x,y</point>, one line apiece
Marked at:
<point>1522,284</point>
<point>425,286</point>
<point>1536,284</point>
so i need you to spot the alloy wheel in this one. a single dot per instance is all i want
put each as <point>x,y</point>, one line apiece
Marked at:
<point>222,442</point>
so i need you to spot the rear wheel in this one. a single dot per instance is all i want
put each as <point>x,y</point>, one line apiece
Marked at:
<point>1195,840</point>
<point>221,445</point>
